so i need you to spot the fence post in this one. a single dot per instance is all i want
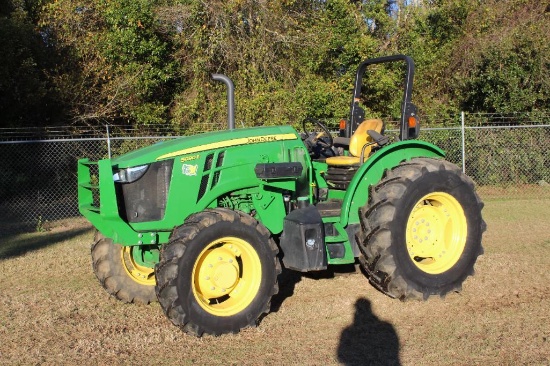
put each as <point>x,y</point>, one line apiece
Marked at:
<point>108,141</point>
<point>462,117</point>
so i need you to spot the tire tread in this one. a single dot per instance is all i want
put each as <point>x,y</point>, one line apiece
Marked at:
<point>166,271</point>
<point>376,239</point>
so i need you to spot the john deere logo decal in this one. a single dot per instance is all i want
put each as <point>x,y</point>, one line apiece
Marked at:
<point>189,170</point>
<point>231,142</point>
<point>258,139</point>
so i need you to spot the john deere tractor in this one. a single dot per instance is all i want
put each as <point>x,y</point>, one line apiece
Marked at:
<point>201,223</point>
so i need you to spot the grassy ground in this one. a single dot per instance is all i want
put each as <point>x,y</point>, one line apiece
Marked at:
<point>54,312</point>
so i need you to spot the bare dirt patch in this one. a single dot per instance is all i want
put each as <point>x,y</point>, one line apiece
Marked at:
<point>53,311</point>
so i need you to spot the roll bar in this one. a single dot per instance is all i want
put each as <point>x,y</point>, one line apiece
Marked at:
<point>408,109</point>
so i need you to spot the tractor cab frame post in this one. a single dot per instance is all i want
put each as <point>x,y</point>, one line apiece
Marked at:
<point>407,130</point>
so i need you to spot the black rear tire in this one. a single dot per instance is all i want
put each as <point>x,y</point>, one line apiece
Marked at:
<point>218,273</point>
<point>421,230</point>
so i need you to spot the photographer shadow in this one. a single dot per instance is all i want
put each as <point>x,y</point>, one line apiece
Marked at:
<point>369,340</point>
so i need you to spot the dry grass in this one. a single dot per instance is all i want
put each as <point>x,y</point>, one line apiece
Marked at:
<point>53,311</point>
<point>514,191</point>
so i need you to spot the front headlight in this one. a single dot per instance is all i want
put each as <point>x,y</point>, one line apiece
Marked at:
<point>129,175</point>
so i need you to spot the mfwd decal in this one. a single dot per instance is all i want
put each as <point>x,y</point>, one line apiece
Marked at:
<point>189,170</point>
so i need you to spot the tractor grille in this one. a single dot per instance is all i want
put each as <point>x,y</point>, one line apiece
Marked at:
<point>145,199</point>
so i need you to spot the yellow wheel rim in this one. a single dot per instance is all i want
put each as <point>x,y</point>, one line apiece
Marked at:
<point>436,233</point>
<point>226,276</point>
<point>139,273</point>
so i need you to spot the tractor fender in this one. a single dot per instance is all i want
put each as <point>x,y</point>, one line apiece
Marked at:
<point>372,171</point>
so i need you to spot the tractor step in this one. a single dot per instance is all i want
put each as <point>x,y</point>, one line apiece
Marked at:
<point>339,177</point>
<point>330,208</point>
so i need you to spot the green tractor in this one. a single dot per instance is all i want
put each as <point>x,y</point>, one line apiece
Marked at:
<point>202,223</point>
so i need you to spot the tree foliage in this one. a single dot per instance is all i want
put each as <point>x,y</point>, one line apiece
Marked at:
<point>25,94</point>
<point>147,62</point>
<point>503,61</point>
<point>121,69</point>
<point>483,56</point>
<point>288,60</point>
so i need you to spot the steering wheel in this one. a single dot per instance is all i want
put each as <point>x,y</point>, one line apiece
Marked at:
<point>319,144</point>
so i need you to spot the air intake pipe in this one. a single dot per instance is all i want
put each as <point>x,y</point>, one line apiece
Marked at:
<point>230,99</point>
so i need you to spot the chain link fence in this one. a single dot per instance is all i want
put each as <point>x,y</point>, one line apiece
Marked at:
<point>506,157</point>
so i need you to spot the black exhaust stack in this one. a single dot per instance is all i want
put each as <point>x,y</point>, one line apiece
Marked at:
<point>230,99</point>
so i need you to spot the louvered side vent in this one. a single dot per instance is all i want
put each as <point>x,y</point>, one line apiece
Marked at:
<point>219,160</point>
<point>203,187</point>
<point>211,174</point>
<point>208,162</point>
<point>215,179</point>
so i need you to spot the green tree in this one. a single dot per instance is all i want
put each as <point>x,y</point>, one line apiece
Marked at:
<point>148,62</point>
<point>480,56</point>
<point>26,96</point>
<point>503,62</point>
<point>288,59</point>
<point>117,68</point>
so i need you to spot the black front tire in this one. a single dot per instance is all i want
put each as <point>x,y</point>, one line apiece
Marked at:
<point>118,275</point>
<point>218,273</point>
<point>421,230</point>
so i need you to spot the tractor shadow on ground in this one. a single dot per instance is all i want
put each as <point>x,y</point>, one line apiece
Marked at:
<point>288,279</point>
<point>19,244</point>
<point>369,340</point>
<point>287,282</point>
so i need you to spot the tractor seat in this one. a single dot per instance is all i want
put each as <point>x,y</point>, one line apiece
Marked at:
<point>358,140</point>
<point>341,169</point>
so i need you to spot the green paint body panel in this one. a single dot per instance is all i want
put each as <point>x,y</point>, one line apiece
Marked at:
<point>217,170</point>
<point>370,173</point>
<point>372,170</point>
<point>197,182</point>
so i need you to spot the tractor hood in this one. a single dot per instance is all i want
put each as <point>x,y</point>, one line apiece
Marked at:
<point>207,141</point>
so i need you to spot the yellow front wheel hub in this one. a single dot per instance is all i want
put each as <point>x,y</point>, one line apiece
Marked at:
<point>226,276</point>
<point>436,233</point>
<point>137,272</point>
